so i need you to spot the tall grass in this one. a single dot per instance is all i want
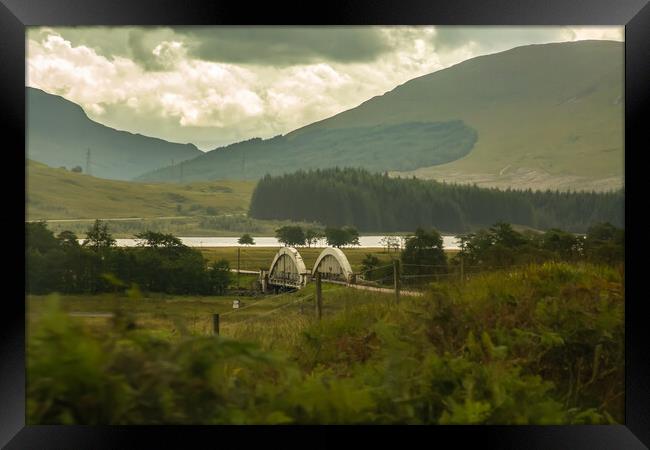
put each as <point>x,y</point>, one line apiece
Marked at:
<point>541,344</point>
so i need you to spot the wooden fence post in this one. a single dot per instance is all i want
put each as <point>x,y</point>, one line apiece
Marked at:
<point>319,297</point>
<point>215,324</point>
<point>462,270</point>
<point>238,256</point>
<point>396,279</point>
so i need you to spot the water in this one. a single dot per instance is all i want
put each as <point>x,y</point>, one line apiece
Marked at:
<point>448,242</point>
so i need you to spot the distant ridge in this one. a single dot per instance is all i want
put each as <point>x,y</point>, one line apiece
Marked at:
<point>538,116</point>
<point>59,133</point>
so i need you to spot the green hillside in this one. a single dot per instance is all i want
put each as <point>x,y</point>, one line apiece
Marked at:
<point>539,116</point>
<point>371,147</point>
<point>60,133</point>
<point>547,116</point>
<point>60,194</point>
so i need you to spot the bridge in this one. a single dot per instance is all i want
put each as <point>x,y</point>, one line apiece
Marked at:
<point>332,264</point>
<point>288,271</point>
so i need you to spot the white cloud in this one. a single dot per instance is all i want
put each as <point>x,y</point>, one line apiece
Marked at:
<point>209,103</point>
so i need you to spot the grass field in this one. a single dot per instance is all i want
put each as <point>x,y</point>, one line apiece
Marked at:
<point>255,258</point>
<point>200,226</point>
<point>61,194</point>
<point>172,317</point>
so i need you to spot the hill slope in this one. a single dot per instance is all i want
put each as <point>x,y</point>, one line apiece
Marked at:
<point>60,194</point>
<point>539,116</point>
<point>370,146</point>
<point>547,115</point>
<point>59,134</point>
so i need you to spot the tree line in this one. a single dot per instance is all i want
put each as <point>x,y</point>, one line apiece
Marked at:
<point>379,203</point>
<point>297,236</point>
<point>501,246</point>
<point>161,263</point>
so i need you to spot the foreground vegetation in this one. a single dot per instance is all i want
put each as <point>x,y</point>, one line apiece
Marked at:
<point>515,328</point>
<point>535,345</point>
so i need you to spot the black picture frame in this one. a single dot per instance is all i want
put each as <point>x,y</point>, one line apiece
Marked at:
<point>15,15</point>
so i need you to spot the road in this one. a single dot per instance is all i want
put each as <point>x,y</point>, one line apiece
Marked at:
<point>376,289</point>
<point>253,272</point>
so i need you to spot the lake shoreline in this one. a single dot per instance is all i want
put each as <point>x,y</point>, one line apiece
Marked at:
<point>450,242</point>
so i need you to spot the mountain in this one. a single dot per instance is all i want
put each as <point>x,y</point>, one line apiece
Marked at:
<point>371,147</point>
<point>539,116</point>
<point>60,194</point>
<point>59,133</point>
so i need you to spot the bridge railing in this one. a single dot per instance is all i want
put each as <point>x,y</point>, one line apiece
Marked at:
<point>332,276</point>
<point>284,278</point>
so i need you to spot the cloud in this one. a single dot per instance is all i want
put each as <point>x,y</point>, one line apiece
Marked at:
<point>282,46</point>
<point>475,40</point>
<point>217,85</point>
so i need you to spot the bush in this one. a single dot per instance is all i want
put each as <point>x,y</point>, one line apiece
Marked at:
<point>541,345</point>
<point>161,263</point>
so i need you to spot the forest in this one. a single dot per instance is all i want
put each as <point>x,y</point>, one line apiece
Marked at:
<point>379,203</point>
<point>59,263</point>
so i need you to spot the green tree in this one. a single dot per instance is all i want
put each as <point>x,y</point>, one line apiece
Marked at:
<point>566,246</point>
<point>290,235</point>
<point>505,235</point>
<point>246,239</point>
<point>340,237</point>
<point>168,244</point>
<point>352,235</point>
<point>605,244</point>
<point>97,263</point>
<point>390,242</point>
<point>155,239</point>
<point>219,277</point>
<point>68,239</point>
<point>423,253</point>
<point>98,237</point>
<point>312,235</point>
<point>369,262</point>
<point>39,237</point>
<point>72,262</point>
<point>370,267</point>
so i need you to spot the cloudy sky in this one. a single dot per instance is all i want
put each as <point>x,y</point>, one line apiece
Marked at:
<point>216,85</point>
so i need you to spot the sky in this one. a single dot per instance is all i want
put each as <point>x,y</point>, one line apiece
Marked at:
<point>212,86</point>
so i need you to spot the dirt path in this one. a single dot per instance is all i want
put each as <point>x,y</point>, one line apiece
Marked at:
<point>376,289</point>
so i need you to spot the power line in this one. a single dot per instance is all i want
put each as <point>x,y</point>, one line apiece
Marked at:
<point>88,161</point>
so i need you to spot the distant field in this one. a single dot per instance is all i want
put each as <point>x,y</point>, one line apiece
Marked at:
<point>254,258</point>
<point>200,226</point>
<point>61,194</point>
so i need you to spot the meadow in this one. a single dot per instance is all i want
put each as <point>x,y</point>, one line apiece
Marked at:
<point>541,344</point>
<point>231,225</point>
<point>61,194</point>
<point>255,258</point>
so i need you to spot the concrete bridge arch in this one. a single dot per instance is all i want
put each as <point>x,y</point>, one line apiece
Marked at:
<point>333,265</point>
<point>288,269</point>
